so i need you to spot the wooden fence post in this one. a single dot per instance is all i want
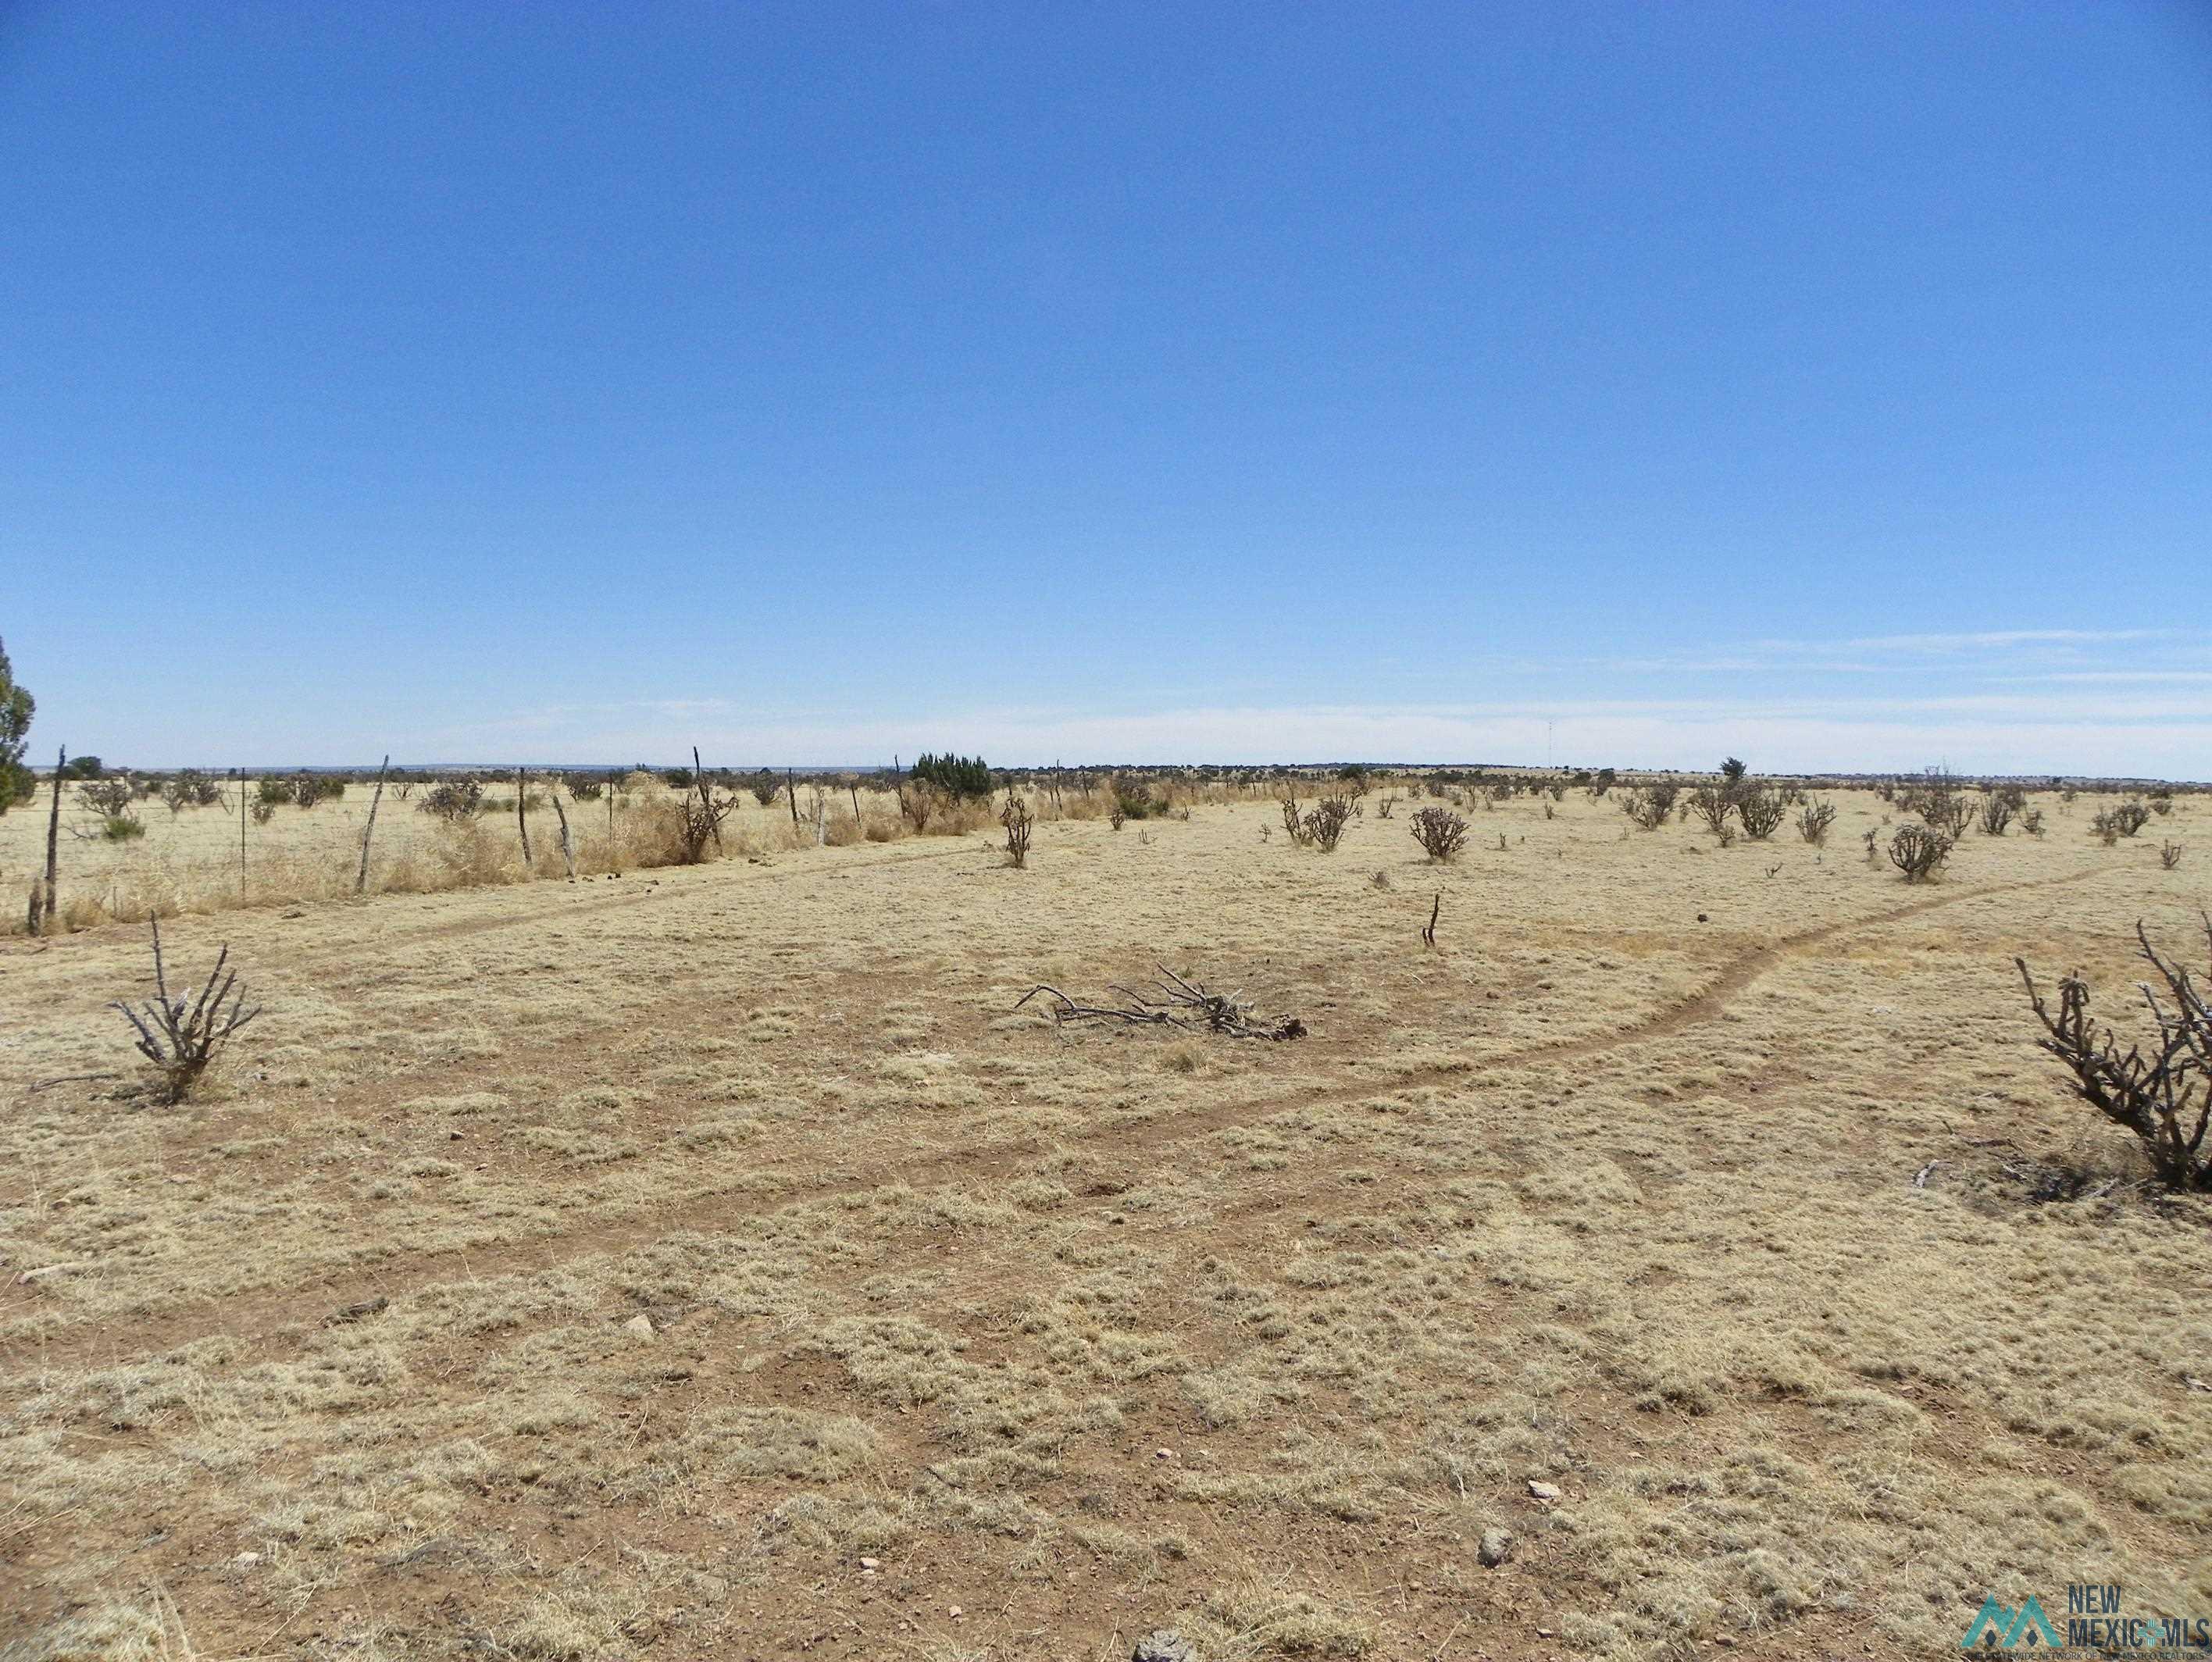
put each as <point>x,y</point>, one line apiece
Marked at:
<point>361,878</point>
<point>568,851</point>
<point>705,798</point>
<point>522,817</point>
<point>53,840</point>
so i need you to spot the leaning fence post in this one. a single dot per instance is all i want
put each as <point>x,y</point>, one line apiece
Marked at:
<point>568,850</point>
<point>361,878</point>
<point>522,817</point>
<point>53,838</point>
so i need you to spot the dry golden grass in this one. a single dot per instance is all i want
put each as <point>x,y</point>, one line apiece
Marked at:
<point>1089,1332</point>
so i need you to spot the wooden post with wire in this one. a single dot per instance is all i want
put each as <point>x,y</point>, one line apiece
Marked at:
<point>361,878</point>
<point>568,849</point>
<point>53,839</point>
<point>522,815</point>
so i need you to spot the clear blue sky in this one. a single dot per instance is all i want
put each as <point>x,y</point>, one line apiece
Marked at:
<point>1829,385</point>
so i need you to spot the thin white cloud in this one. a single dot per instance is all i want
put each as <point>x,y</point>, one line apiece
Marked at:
<point>1990,640</point>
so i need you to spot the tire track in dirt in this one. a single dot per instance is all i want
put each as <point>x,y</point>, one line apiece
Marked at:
<point>307,1303</point>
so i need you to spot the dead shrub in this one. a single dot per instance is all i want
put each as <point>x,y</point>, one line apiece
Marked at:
<point>700,812</point>
<point>1918,850</point>
<point>1441,833</point>
<point>1713,804</point>
<point>1997,810</point>
<point>1760,813</point>
<point>1015,817</point>
<point>2165,1098</point>
<point>1814,819</point>
<point>1324,825</point>
<point>180,1037</point>
<point>1648,805</point>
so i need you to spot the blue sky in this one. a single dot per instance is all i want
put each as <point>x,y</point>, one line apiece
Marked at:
<point>1829,386</point>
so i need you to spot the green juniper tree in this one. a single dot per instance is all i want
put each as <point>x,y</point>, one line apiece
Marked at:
<point>15,707</point>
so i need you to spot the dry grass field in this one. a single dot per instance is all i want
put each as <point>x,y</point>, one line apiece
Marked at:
<point>712,1262</point>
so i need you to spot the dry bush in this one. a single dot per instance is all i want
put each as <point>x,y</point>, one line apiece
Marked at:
<point>1441,833</point>
<point>2169,855</point>
<point>2031,821</point>
<point>2166,1097</point>
<point>1814,819</point>
<point>1648,805</point>
<point>1998,807</point>
<point>107,797</point>
<point>1015,817</point>
<point>180,1037</point>
<point>1713,804</point>
<point>453,800</point>
<point>1938,800</point>
<point>1761,813</point>
<point>2129,817</point>
<point>190,789</point>
<point>1918,850</point>
<point>1324,825</point>
<point>700,812</point>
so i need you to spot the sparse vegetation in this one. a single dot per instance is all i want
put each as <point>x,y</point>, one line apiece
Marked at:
<point>182,1037</point>
<point>626,1209</point>
<point>1441,833</point>
<point>16,707</point>
<point>1999,804</point>
<point>1324,823</point>
<point>961,778</point>
<point>1760,812</point>
<point>451,800</point>
<point>1714,804</point>
<point>1919,851</point>
<point>1650,806</point>
<point>109,798</point>
<point>1015,817</point>
<point>1814,819</point>
<point>699,814</point>
<point>2164,1095</point>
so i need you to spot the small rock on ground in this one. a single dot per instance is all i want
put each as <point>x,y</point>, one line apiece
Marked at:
<point>1164,1645</point>
<point>1496,1547</point>
<point>1543,1491</point>
<point>639,1327</point>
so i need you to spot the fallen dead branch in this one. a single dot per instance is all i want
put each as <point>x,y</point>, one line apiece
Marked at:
<point>1181,1004</point>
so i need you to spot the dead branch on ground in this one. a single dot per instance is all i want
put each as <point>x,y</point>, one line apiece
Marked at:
<point>1181,1004</point>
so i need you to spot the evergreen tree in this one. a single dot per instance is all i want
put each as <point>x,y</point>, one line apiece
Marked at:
<point>15,707</point>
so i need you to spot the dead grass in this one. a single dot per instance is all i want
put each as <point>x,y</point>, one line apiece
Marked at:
<point>1086,1333</point>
